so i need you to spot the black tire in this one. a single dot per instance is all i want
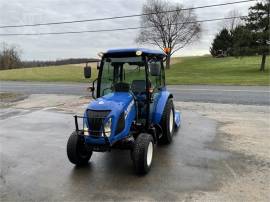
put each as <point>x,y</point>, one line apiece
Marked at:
<point>140,152</point>
<point>76,150</point>
<point>167,134</point>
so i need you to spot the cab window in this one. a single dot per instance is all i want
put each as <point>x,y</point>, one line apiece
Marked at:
<point>156,74</point>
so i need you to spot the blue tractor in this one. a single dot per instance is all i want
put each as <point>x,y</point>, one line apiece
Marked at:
<point>132,108</point>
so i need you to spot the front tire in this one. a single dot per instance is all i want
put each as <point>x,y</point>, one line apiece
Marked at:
<point>76,150</point>
<point>143,153</point>
<point>167,123</point>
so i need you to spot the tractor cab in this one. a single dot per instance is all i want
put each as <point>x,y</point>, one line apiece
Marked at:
<point>132,108</point>
<point>138,72</point>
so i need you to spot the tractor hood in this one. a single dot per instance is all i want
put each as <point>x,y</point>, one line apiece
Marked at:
<point>116,102</point>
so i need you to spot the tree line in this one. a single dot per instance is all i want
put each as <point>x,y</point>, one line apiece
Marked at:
<point>10,58</point>
<point>37,63</point>
<point>249,37</point>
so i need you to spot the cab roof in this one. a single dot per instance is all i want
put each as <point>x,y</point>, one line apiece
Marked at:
<point>132,51</point>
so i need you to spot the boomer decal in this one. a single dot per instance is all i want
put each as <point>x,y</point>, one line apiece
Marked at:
<point>129,108</point>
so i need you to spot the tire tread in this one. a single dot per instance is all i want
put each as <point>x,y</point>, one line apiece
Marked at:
<point>166,137</point>
<point>72,151</point>
<point>140,153</point>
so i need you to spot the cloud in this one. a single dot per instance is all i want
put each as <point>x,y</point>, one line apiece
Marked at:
<point>88,44</point>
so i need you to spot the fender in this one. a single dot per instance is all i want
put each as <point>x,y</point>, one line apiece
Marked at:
<point>159,105</point>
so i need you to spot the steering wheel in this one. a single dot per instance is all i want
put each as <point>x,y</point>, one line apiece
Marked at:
<point>113,88</point>
<point>109,88</point>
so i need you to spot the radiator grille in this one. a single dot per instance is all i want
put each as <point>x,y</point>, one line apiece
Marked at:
<point>95,120</point>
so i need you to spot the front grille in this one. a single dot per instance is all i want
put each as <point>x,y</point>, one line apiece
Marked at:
<point>95,120</point>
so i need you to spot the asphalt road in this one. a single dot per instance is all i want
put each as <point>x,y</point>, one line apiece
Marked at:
<point>34,165</point>
<point>253,95</point>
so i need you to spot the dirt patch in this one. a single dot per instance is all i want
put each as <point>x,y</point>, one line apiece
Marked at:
<point>67,103</point>
<point>7,99</point>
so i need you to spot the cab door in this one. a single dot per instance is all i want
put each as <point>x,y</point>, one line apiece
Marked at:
<point>156,76</point>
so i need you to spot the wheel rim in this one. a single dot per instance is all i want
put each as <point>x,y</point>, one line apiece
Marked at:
<point>149,153</point>
<point>171,121</point>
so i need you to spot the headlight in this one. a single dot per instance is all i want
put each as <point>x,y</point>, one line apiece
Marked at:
<point>107,127</point>
<point>85,130</point>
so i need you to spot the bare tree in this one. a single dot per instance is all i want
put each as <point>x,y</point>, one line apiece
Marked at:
<point>231,24</point>
<point>170,30</point>
<point>9,56</point>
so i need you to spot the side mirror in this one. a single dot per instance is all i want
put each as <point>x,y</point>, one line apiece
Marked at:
<point>154,69</point>
<point>87,72</point>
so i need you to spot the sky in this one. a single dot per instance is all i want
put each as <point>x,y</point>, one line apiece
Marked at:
<point>52,47</point>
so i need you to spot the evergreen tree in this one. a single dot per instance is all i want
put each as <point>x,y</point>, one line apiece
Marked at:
<point>222,43</point>
<point>258,24</point>
<point>243,42</point>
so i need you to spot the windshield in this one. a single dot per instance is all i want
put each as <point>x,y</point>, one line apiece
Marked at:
<point>115,70</point>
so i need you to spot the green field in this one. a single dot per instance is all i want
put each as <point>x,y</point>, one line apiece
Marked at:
<point>227,71</point>
<point>62,73</point>
<point>185,70</point>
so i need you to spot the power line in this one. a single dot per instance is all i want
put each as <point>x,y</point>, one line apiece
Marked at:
<point>124,16</point>
<point>112,30</point>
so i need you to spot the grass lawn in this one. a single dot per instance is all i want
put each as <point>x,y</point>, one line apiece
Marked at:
<point>62,73</point>
<point>226,71</point>
<point>186,70</point>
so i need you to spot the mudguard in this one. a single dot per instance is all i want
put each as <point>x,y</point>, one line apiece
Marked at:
<point>159,105</point>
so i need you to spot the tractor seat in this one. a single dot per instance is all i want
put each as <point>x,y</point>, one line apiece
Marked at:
<point>138,86</point>
<point>121,87</point>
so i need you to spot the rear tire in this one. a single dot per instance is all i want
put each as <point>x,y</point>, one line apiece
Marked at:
<point>167,123</point>
<point>76,150</point>
<point>143,153</point>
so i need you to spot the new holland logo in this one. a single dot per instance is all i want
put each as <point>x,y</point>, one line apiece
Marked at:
<point>129,108</point>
